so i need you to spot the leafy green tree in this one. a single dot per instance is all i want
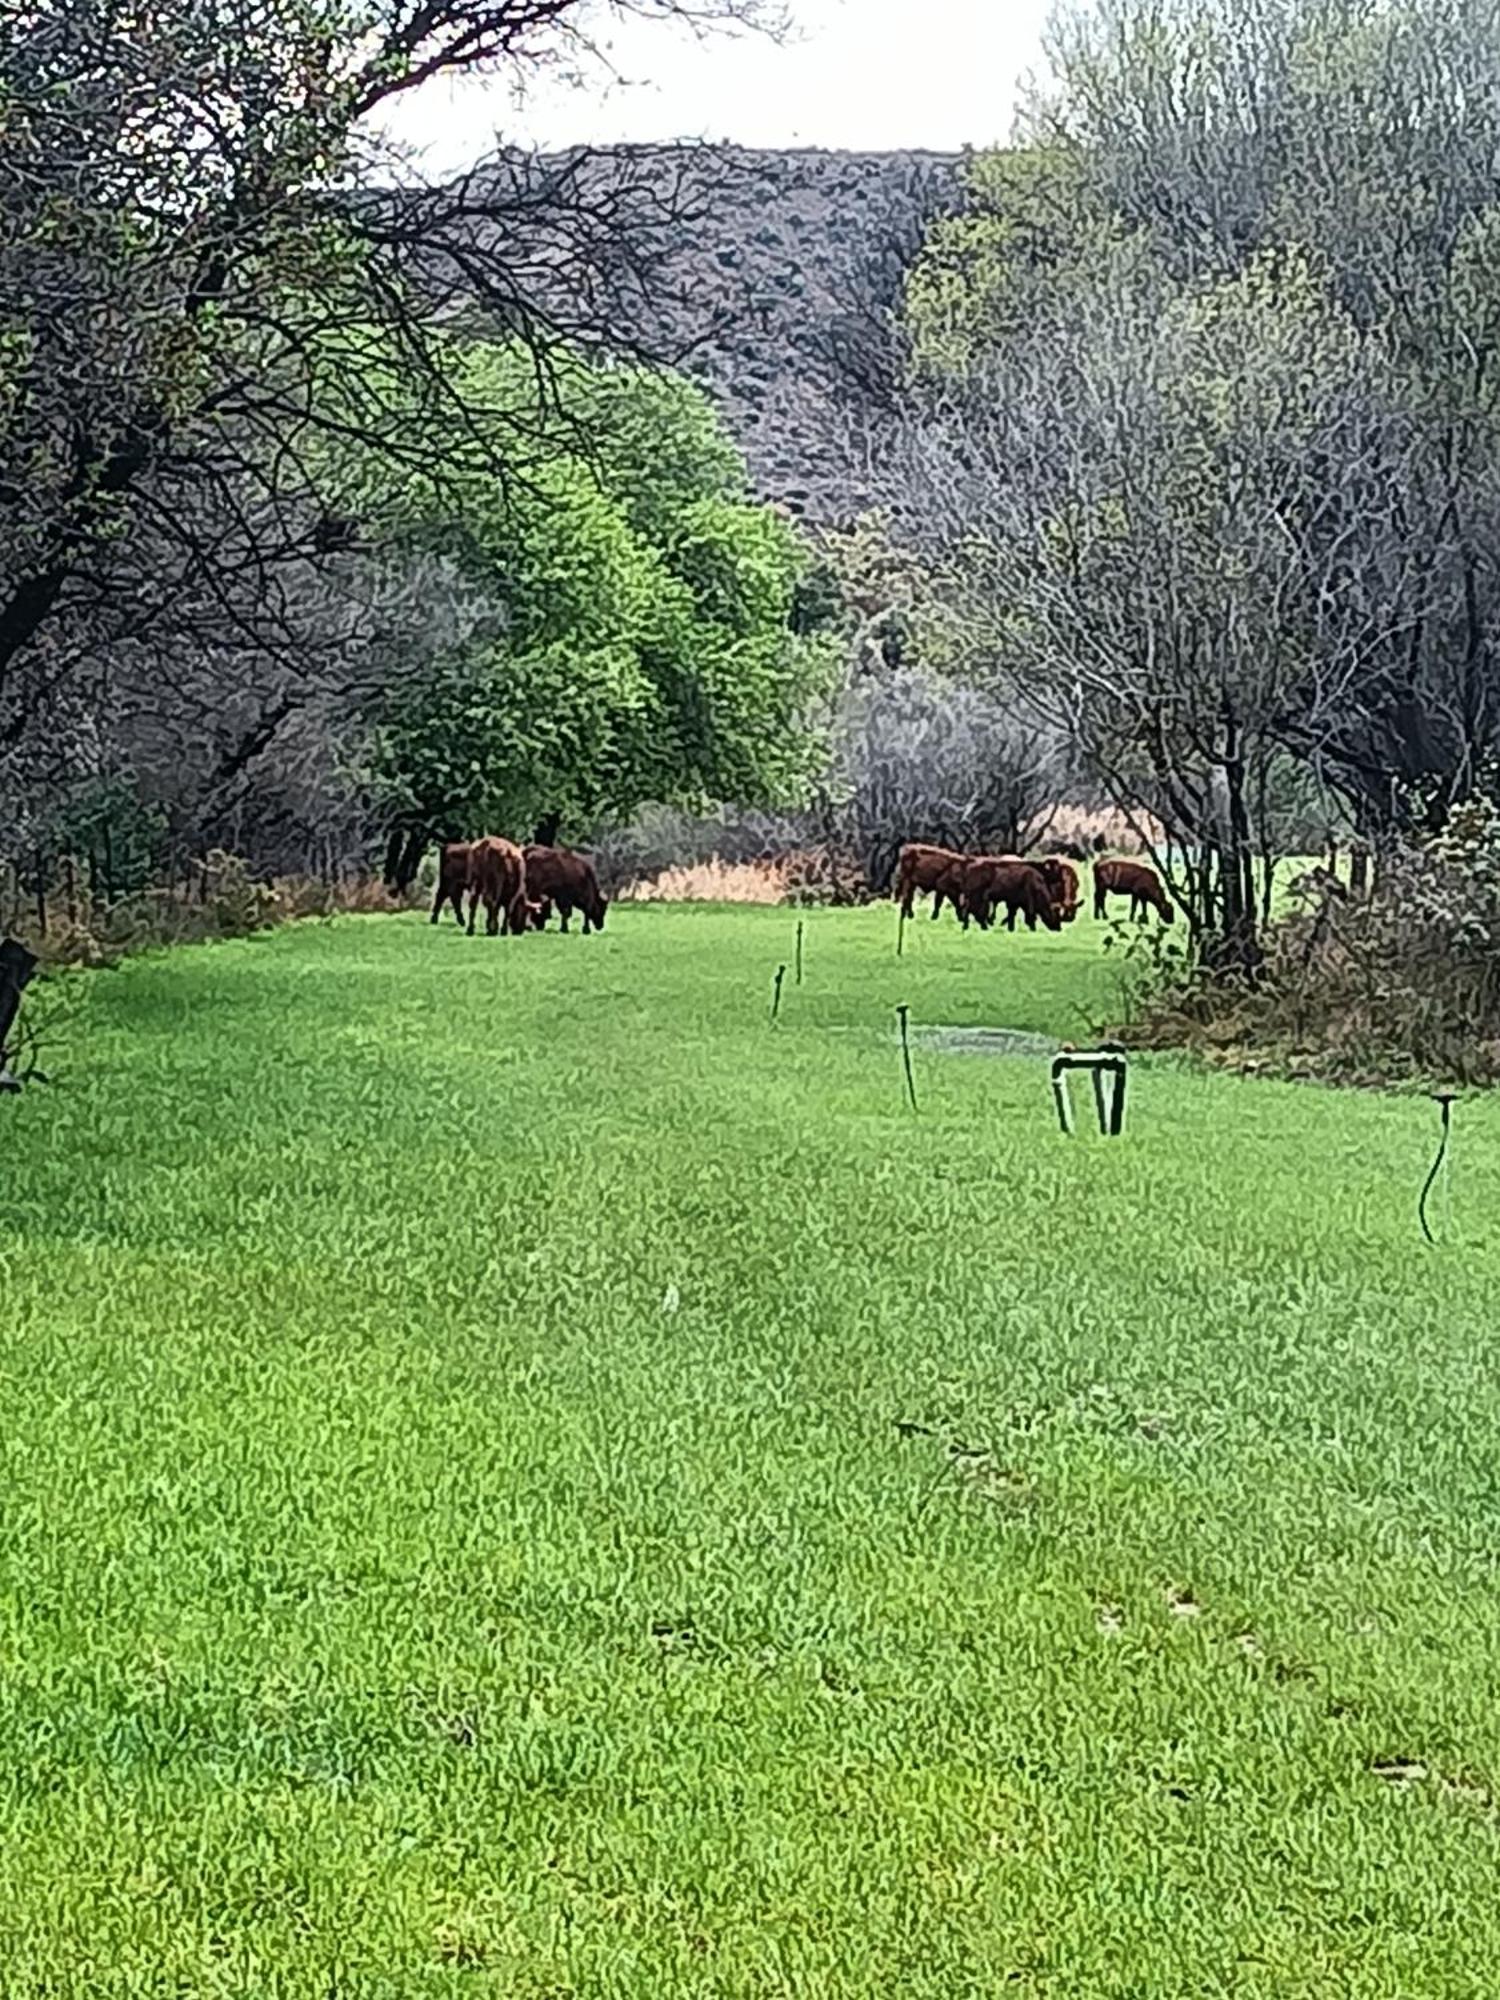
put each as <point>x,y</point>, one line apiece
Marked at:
<point>643,643</point>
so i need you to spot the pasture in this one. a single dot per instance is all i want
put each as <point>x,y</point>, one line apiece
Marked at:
<point>522,1479</point>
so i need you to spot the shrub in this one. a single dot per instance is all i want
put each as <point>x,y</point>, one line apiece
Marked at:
<point>1402,986</point>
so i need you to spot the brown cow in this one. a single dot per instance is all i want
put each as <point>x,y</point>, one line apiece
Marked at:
<point>453,878</point>
<point>994,879</point>
<point>1135,880</point>
<point>568,881</point>
<point>1061,877</point>
<point>938,871</point>
<point>1060,880</point>
<point>497,878</point>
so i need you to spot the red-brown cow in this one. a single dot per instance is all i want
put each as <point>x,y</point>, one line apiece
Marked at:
<point>453,878</point>
<point>568,881</point>
<point>991,880</point>
<point>934,871</point>
<point>1061,877</point>
<point>1053,874</point>
<point>497,878</point>
<point>1135,880</point>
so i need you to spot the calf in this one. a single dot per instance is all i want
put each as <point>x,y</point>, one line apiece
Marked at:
<point>994,879</point>
<point>1135,880</point>
<point>497,878</point>
<point>937,871</point>
<point>566,882</point>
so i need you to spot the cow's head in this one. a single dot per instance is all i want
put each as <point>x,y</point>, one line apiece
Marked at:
<point>538,913</point>
<point>601,904</point>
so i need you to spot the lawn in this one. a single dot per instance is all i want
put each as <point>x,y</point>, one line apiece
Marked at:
<point>521,1478</point>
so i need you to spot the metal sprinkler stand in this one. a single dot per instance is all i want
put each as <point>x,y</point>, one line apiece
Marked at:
<point>1102,1063</point>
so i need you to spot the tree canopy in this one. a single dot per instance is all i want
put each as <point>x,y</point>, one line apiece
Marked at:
<point>640,636</point>
<point>1205,424</point>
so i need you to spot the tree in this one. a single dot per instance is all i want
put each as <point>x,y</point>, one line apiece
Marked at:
<point>641,642</point>
<point>1204,437</point>
<point>189,241</point>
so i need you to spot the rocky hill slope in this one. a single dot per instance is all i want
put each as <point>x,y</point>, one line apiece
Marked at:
<point>792,274</point>
<point>772,280</point>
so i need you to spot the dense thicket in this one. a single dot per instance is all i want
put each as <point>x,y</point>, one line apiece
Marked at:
<point>1208,444</point>
<point>242,422</point>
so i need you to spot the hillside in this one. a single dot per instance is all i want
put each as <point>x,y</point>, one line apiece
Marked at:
<point>771,279</point>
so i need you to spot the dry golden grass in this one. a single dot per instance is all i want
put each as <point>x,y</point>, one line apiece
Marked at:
<point>714,882</point>
<point>1083,824</point>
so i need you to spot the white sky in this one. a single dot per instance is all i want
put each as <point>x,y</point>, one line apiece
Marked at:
<point>859,74</point>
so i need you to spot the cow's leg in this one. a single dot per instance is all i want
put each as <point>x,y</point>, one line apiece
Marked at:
<point>1138,909</point>
<point>565,913</point>
<point>473,911</point>
<point>1098,900</point>
<point>439,900</point>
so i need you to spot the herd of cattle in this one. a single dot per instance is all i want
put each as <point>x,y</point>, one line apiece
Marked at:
<point>520,887</point>
<point>980,885</point>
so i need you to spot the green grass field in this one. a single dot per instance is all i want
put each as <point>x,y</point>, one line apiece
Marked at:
<point>521,1479</point>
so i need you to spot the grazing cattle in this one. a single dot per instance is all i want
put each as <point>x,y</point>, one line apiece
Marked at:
<point>1135,880</point>
<point>935,871</point>
<point>565,881</point>
<point>1061,877</point>
<point>1060,881</point>
<point>453,878</point>
<point>993,879</point>
<point>497,878</point>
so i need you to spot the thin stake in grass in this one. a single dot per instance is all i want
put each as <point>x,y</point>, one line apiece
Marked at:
<point>902,1013</point>
<point>776,991</point>
<point>799,950</point>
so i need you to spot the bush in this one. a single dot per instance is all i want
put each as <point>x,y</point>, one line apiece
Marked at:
<point>1403,986</point>
<point>220,897</point>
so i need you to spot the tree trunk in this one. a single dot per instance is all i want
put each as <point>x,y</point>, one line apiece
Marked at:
<point>1238,947</point>
<point>413,845</point>
<point>393,849</point>
<point>16,967</point>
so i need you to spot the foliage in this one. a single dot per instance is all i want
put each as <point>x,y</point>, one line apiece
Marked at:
<point>642,645</point>
<point>429,1478</point>
<point>1401,987</point>
<point>920,757</point>
<point>69,920</point>
<point>114,830</point>
<point>214,276</point>
<point>1209,399</point>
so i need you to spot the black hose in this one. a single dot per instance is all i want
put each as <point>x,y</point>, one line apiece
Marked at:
<point>1445,1102</point>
